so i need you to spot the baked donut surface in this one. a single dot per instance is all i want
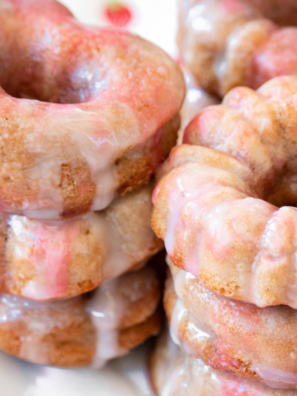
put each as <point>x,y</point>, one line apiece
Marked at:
<point>85,330</point>
<point>254,343</point>
<point>230,43</point>
<point>174,373</point>
<point>222,205</point>
<point>86,113</point>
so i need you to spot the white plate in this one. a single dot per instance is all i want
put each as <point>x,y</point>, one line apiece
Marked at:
<point>121,377</point>
<point>156,21</point>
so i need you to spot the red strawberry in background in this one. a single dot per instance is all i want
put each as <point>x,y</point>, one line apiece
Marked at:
<point>118,14</point>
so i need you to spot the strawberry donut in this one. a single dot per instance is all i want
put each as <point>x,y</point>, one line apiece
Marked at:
<point>85,113</point>
<point>230,43</point>
<point>86,330</point>
<point>174,373</point>
<point>255,343</point>
<point>44,260</point>
<point>221,207</point>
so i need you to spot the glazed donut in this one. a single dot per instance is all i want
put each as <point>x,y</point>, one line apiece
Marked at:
<point>255,343</point>
<point>195,100</point>
<point>44,260</point>
<point>215,208</point>
<point>84,111</point>
<point>86,330</point>
<point>230,43</point>
<point>174,373</point>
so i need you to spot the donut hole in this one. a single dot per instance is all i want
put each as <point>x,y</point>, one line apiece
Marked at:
<point>63,73</point>
<point>78,86</point>
<point>284,191</point>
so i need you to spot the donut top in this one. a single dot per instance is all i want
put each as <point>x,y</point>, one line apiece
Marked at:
<point>75,100</point>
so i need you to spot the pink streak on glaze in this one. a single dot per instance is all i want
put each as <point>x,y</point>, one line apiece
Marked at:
<point>51,255</point>
<point>191,201</point>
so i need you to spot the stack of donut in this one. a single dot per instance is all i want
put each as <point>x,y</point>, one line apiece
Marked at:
<point>87,115</point>
<point>225,207</point>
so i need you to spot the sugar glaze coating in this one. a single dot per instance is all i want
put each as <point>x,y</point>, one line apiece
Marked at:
<point>86,330</point>
<point>255,343</point>
<point>46,260</point>
<point>217,206</point>
<point>84,111</point>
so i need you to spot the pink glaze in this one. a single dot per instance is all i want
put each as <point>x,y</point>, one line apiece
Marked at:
<point>212,217</point>
<point>45,260</point>
<point>51,255</point>
<point>233,6</point>
<point>223,205</point>
<point>278,57</point>
<point>100,94</point>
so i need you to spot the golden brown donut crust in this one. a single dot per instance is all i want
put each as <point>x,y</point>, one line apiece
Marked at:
<point>174,373</point>
<point>65,333</point>
<point>254,343</point>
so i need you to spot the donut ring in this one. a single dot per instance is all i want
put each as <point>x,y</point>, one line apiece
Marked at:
<point>231,43</point>
<point>84,114</point>
<point>174,373</point>
<point>86,330</point>
<point>44,260</point>
<point>255,343</point>
<point>214,208</point>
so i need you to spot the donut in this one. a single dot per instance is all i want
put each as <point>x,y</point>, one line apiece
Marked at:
<point>85,113</point>
<point>46,260</point>
<point>195,100</point>
<point>221,206</point>
<point>86,330</point>
<point>255,343</point>
<point>174,373</point>
<point>230,43</point>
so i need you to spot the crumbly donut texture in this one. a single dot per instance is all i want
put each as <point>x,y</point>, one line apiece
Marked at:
<point>230,43</point>
<point>86,330</point>
<point>216,208</point>
<point>86,113</point>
